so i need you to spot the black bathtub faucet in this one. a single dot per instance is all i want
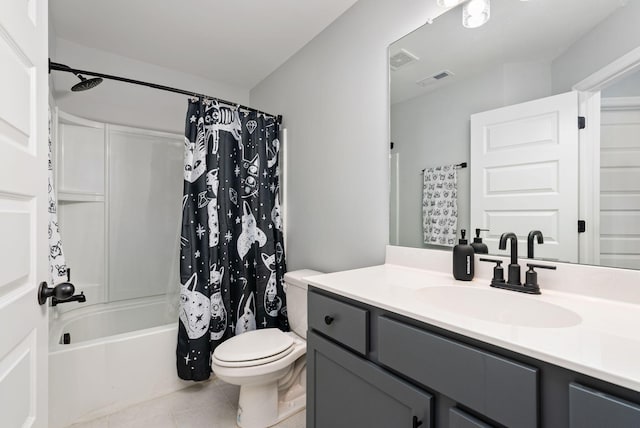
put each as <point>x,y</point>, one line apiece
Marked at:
<point>61,293</point>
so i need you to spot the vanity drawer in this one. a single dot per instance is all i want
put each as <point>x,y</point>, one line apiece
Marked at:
<point>590,408</point>
<point>340,321</point>
<point>503,390</point>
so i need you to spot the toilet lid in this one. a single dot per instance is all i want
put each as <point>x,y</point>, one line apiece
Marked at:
<point>254,345</point>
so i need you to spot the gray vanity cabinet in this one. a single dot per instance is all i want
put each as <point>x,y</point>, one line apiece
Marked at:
<point>368,367</point>
<point>351,392</point>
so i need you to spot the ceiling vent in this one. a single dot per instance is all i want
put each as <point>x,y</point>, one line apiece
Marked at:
<point>428,81</point>
<point>401,59</point>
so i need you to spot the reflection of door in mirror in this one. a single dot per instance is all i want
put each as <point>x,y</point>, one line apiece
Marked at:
<point>620,174</point>
<point>524,174</point>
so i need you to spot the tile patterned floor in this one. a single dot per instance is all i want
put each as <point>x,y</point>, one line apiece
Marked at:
<point>208,405</point>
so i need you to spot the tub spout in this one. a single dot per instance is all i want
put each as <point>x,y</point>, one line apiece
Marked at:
<point>75,298</point>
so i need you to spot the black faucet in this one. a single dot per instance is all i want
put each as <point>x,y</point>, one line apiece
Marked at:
<point>532,235</point>
<point>513,281</point>
<point>513,277</point>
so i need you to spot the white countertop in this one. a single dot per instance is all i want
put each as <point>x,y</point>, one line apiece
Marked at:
<point>603,342</point>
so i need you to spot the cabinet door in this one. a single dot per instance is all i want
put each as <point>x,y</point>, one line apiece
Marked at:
<point>346,391</point>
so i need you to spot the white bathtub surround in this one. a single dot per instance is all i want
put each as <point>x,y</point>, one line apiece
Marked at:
<point>120,354</point>
<point>96,164</point>
<point>585,320</point>
<point>209,404</point>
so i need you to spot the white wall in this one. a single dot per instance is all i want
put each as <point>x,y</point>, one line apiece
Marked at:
<point>333,94</point>
<point>126,104</point>
<point>612,38</point>
<point>433,129</point>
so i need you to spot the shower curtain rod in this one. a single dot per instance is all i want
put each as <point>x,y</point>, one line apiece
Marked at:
<point>55,66</point>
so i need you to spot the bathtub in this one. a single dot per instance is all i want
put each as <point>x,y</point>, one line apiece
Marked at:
<point>119,354</point>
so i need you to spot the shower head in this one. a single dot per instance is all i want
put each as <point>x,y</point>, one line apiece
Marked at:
<point>85,83</point>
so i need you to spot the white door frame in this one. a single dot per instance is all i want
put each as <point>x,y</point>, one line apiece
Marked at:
<point>589,140</point>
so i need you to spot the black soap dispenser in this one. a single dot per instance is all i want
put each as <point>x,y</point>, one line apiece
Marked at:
<point>480,247</point>
<point>463,259</point>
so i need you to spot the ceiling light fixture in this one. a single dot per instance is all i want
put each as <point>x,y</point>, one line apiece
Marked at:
<point>475,13</point>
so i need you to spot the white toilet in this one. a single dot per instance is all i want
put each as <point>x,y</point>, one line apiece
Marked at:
<point>269,365</point>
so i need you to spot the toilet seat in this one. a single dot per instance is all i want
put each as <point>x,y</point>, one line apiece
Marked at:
<point>257,362</point>
<point>254,348</point>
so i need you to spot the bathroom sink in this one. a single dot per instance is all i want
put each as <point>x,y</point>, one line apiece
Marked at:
<point>498,306</point>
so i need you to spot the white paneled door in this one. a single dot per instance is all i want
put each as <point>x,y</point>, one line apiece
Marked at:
<point>23,212</point>
<point>524,174</point>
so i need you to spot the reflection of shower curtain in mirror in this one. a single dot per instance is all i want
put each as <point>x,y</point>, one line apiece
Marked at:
<point>57,263</point>
<point>440,206</point>
<point>232,261</point>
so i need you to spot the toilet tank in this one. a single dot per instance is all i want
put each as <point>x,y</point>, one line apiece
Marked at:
<point>296,290</point>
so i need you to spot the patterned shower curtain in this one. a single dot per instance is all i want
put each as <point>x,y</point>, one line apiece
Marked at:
<point>57,263</point>
<point>232,261</point>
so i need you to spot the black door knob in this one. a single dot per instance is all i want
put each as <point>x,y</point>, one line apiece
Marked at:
<point>62,291</point>
<point>416,422</point>
<point>328,319</point>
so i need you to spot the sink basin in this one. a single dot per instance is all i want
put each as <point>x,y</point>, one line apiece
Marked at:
<point>498,306</point>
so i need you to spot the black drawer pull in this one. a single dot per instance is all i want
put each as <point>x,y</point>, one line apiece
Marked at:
<point>416,422</point>
<point>328,319</point>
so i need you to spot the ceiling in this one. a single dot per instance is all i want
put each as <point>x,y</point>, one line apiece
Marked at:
<point>518,31</point>
<point>233,42</point>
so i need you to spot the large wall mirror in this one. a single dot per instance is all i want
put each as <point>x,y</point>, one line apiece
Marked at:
<point>503,99</point>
